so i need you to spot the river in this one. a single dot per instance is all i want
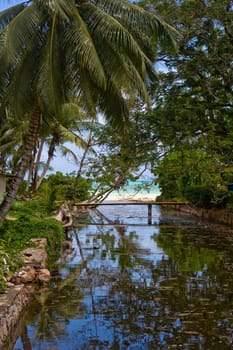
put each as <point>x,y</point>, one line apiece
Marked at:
<point>130,285</point>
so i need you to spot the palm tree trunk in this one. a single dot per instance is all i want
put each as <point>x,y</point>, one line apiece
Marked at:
<point>51,151</point>
<point>87,148</point>
<point>37,164</point>
<point>25,339</point>
<point>30,143</point>
<point>30,172</point>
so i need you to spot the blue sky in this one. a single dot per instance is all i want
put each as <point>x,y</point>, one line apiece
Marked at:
<point>8,3</point>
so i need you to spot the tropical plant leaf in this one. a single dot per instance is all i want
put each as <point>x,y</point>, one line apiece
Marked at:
<point>18,34</point>
<point>78,40</point>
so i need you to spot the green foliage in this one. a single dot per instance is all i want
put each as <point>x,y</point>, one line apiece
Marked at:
<point>35,208</point>
<point>200,196</point>
<point>27,220</point>
<point>190,256</point>
<point>229,203</point>
<point>179,172</point>
<point>193,110</point>
<point>9,261</point>
<point>18,232</point>
<point>59,187</point>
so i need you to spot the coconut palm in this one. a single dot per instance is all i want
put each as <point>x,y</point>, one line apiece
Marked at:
<point>67,128</point>
<point>99,51</point>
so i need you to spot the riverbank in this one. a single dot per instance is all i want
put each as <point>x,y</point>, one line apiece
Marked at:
<point>216,216</point>
<point>24,259</point>
<point>12,305</point>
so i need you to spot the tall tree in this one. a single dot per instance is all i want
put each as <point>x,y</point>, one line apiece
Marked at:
<point>99,51</point>
<point>194,101</point>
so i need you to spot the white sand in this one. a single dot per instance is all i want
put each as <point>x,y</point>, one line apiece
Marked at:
<point>127,197</point>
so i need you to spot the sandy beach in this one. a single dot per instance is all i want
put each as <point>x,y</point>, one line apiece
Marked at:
<point>144,197</point>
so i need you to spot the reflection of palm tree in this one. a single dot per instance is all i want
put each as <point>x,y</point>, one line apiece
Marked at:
<point>61,302</point>
<point>25,339</point>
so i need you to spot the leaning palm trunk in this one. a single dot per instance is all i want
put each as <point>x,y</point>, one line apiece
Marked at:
<point>82,161</point>
<point>31,139</point>
<point>25,339</point>
<point>37,163</point>
<point>51,152</point>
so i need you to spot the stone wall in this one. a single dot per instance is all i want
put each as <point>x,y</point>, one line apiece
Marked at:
<point>12,305</point>
<point>218,216</point>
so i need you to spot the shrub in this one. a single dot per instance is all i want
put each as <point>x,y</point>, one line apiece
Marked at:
<point>27,220</point>
<point>61,187</point>
<point>199,195</point>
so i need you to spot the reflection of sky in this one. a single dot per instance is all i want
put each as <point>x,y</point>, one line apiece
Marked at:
<point>136,214</point>
<point>147,247</point>
<point>130,303</point>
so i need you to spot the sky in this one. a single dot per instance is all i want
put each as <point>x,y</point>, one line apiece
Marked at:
<point>8,3</point>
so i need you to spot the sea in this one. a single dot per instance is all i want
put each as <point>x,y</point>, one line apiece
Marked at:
<point>139,190</point>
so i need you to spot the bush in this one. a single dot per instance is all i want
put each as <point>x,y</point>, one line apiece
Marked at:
<point>27,220</point>
<point>229,204</point>
<point>61,187</point>
<point>200,196</point>
<point>17,233</point>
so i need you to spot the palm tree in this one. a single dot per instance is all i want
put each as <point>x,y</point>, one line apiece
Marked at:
<point>99,51</point>
<point>67,128</point>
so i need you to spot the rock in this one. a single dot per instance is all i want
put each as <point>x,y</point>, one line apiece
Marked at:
<point>38,255</point>
<point>27,274</point>
<point>39,242</point>
<point>43,275</point>
<point>35,255</point>
<point>65,216</point>
<point>67,245</point>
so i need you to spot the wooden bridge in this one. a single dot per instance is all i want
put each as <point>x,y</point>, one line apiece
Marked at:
<point>124,203</point>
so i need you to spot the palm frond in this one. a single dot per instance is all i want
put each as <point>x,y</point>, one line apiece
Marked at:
<point>115,108</point>
<point>19,33</point>
<point>63,8</point>
<point>136,18</point>
<point>65,151</point>
<point>19,90</point>
<point>106,28</point>
<point>84,87</point>
<point>6,146</point>
<point>71,136</point>
<point>122,72</point>
<point>69,113</point>
<point>78,40</point>
<point>7,15</point>
<point>50,86</point>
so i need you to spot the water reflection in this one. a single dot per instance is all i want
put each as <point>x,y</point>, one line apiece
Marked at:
<point>132,287</point>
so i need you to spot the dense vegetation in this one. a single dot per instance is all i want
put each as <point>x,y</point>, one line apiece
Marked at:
<point>33,218</point>
<point>193,112</point>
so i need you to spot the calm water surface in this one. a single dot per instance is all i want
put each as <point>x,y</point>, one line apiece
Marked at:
<point>128,285</point>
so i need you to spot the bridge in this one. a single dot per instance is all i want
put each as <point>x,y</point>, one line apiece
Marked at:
<point>125,203</point>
